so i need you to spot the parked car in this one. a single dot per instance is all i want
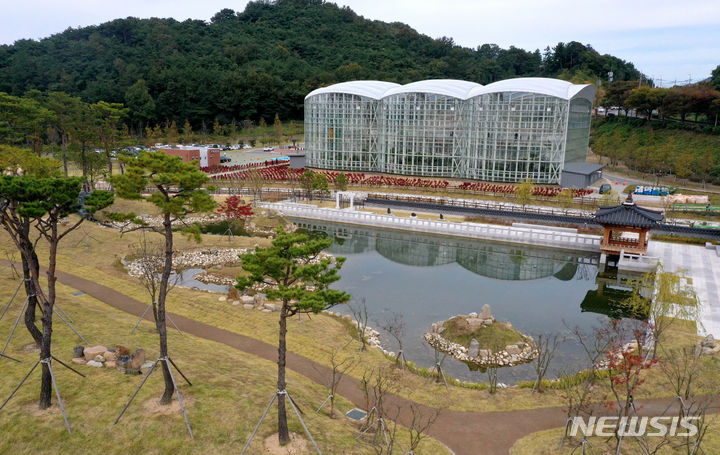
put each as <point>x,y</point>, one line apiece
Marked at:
<point>246,146</point>
<point>605,188</point>
<point>267,149</point>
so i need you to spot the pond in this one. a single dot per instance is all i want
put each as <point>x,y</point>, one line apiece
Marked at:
<point>429,278</point>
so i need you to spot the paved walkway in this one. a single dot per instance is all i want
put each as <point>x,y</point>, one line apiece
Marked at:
<point>465,433</point>
<point>702,265</point>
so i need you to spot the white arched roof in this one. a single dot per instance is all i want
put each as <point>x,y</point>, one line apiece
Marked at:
<point>542,85</point>
<point>370,89</point>
<point>447,87</point>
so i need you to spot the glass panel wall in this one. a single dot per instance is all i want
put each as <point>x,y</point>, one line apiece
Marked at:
<point>516,136</point>
<point>420,134</point>
<point>341,131</point>
<point>499,136</point>
<point>578,131</point>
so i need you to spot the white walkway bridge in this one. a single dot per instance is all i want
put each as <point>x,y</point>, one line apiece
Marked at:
<point>538,235</point>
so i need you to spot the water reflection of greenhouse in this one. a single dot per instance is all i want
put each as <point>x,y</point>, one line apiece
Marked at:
<point>490,259</point>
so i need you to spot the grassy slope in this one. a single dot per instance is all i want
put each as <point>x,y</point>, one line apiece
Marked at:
<point>309,339</point>
<point>546,443</point>
<point>230,390</point>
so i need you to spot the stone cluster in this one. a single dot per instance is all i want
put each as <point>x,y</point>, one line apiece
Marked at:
<point>202,258</point>
<point>252,302</point>
<point>709,346</point>
<point>117,358</point>
<point>157,221</point>
<point>372,336</point>
<point>473,356</point>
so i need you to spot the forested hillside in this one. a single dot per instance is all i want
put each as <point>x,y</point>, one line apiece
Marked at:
<point>658,148</point>
<point>262,61</point>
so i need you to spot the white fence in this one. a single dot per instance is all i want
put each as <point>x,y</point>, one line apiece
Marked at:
<point>542,237</point>
<point>637,262</point>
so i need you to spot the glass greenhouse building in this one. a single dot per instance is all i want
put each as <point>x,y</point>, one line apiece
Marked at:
<point>508,131</point>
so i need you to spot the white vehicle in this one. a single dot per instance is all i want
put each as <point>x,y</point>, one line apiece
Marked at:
<point>267,149</point>
<point>246,146</point>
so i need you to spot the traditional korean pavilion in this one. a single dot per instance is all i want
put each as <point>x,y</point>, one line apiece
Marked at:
<point>626,227</point>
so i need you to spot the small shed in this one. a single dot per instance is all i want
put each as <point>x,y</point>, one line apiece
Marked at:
<point>297,160</point>
<point>580,175</point>
<point>626,227</point>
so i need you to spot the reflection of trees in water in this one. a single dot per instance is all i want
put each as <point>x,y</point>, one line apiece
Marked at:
<point>494,260</point>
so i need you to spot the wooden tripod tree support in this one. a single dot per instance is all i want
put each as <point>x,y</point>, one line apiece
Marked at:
<point>169,364</point>
<point>47,362</point>
<point>17,321</point>
<point>267,409</point>
<point>142,316</point>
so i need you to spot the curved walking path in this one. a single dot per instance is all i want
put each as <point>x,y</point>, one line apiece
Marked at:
<point>464,432</point>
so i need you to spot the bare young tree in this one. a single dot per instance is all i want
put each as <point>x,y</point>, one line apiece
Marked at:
<point>360,314</point>
<point>580,390</point>
<point>150,260</point>
<point>376,385</point>
<point>339,366</point>
<point>395,326</point>
<point>492,378</point>
<point>683,372</point>
<point>255,182</point>
<point>546,346</point>
<point>422,419</point>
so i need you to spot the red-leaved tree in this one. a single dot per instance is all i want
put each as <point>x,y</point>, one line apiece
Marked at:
<point>235,207</point>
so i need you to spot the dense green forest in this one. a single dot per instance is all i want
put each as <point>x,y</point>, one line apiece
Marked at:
<point>263,61</point>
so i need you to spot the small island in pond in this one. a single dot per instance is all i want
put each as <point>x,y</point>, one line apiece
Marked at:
<point>481,342</point>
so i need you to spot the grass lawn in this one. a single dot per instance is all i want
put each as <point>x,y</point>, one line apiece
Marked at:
<point>547,443</point>
<point>495,336</point>
<point>229,392</point>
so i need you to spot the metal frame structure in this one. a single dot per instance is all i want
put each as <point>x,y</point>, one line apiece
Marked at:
<point>507,131</point>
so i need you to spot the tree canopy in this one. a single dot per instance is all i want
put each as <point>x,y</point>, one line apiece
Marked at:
<point>263,60</point>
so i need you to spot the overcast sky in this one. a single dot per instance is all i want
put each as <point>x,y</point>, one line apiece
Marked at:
<point>668,39</point>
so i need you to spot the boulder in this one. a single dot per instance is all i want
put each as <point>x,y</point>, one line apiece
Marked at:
<point>265,310</point>
<point>473,315</point>
<point>138,358</point>
<point>708,342</point>
<point>99,358</point>
<point>78,360</point>
<point>236,302</point>
<point>78,352</point>
<point>90,353</point>
<point>122,350</point>
<point>147,365</point>
<point>110,356</point>
<point>483,353</point>
<point>111,364</point>
<point>222,298</point>
<point>248,306</point>
<point>247,299</point>
<point>475,323</point>
<point>473,348</point>
<point>257,298</point>
<point>271,306</point>
<point>512,349</point>
<point>485,313</point>
<point>95,364</point>
<point>489,321</point>
<point>123,362</point>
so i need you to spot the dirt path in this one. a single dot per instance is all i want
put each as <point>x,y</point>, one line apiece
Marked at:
<point>465,433</point>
